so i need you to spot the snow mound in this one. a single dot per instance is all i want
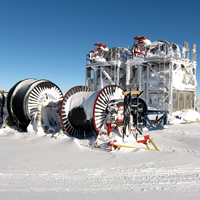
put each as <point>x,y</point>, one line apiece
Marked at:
<point>184,116</point>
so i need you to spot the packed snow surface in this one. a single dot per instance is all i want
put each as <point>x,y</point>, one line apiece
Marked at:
<point>37,167</point>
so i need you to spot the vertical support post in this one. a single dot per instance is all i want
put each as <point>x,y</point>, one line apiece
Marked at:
<point>137,117</point>
<point>86,77</point>
<point>170,87</point>
<point>144,121</point>
<point>39,123</point>
<point>165,119</point>
<point>193,52</point>
<point>183,52</point>
<point>147,92</point>
<point>95,80</point>
<point>118,72</point>
<point>101,76</point>
<point>178,100</point>
<point>127,76</point>
<point>115,71</point>
<point>186,45</point>
<point>139,76</point>
<point>185,77</point>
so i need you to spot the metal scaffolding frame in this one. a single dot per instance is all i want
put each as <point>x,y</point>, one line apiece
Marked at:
<point>154,73</point>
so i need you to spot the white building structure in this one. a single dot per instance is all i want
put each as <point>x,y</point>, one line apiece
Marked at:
<point>164,71</point>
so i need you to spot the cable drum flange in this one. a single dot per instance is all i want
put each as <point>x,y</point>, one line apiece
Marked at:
<point>8,101</point>
<point>69,112</point>
<point>38,91</point>
<point>17,100</point>
<point>106,95</point>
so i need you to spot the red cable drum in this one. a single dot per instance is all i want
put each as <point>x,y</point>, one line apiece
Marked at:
<point>83,111</point>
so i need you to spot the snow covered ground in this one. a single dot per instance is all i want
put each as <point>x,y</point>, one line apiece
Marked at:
<point>36,167</point>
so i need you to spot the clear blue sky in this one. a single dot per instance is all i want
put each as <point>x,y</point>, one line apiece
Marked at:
<point>49,39</point>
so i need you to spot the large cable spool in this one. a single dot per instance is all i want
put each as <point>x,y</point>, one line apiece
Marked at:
<point>25,96</point>
<point>83,111</point>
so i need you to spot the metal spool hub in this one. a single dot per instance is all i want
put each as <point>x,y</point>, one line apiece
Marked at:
<point>138,112</point>
<point>84,111</point>
<point>25,96</point>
